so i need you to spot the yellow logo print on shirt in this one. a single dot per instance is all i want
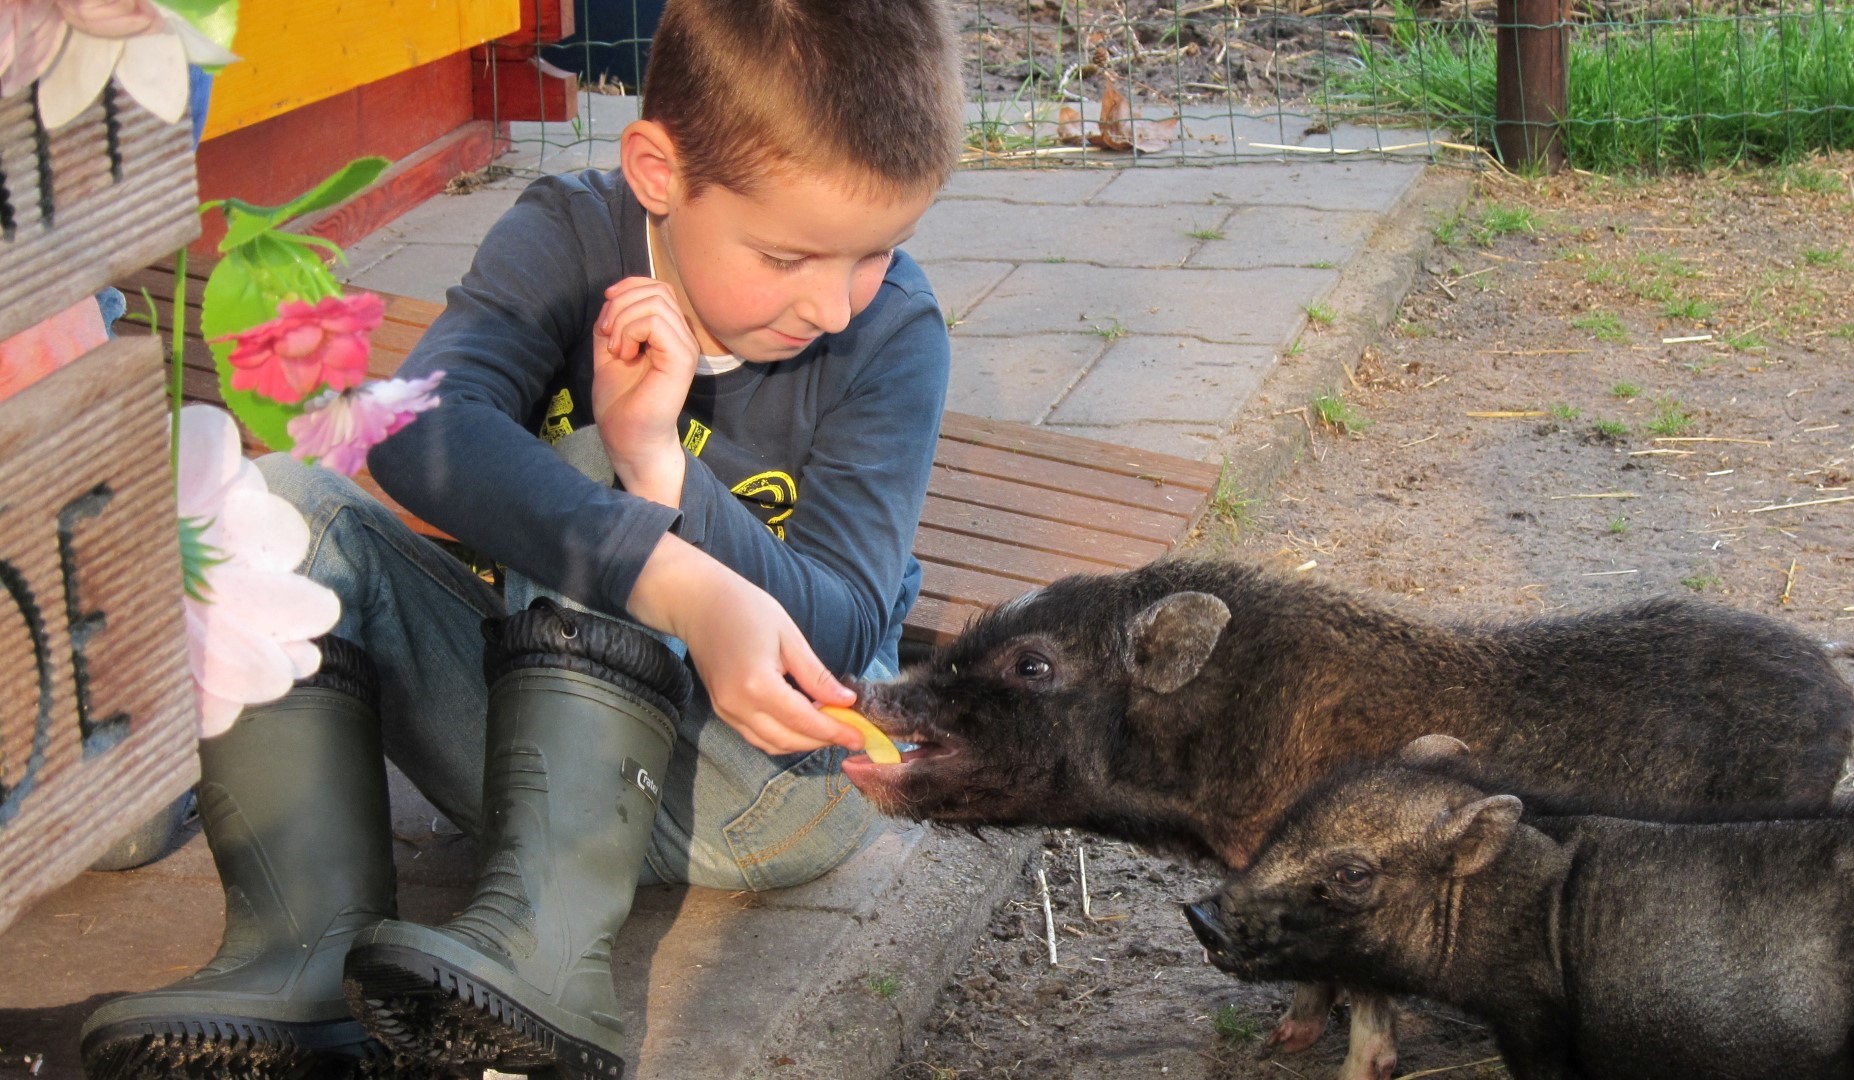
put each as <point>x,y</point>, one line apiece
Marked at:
<point>695,438</point>
<point>775,491</point>
<point>557,426</point>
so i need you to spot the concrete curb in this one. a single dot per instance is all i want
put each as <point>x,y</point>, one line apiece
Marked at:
<point>1268,437</point>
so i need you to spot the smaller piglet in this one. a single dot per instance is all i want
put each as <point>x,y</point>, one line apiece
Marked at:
<point>1596,948</point>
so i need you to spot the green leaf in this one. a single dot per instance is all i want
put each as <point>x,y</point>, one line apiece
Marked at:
<point>243,224</point>
<point>353,177</point>
<point>234,301</point>
<point>196,556</point>
<point>217,19</point>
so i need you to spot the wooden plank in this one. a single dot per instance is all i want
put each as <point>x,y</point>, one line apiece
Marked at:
<point>956,584</point>
<point>99,728</point>
<point>999,558</point>
<point>1161,525</point>
<point>1059,475</point>
<point>1061,538</point>
<point>1056,446</point>
<point>77,223</point>
<point>280,69</point>
<point>936,622</point>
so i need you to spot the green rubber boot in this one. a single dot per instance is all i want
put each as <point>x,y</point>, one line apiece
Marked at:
<point>582,715</point>
<point>293,802</point>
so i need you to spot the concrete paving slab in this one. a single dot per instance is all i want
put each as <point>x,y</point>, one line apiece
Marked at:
<point>1194,442</point>
<point>1124,236</point>
<point>960,284</point>
<point>1168,379</point>
<point>1248,307</point>
<point>421,270</point>
<point>1064,185</point>
<point>1017,377</point>
<point>1256,236</point>
<point>1375,185</point>
<point>460,219</point>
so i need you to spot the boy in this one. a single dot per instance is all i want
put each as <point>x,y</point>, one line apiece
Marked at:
<point>741,380</point>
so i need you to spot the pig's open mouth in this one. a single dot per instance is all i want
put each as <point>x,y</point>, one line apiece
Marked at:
<point>916,747</point>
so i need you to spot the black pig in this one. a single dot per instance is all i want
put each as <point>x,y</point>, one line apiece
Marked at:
<point>1596,948</point>
<point>1186,704</point>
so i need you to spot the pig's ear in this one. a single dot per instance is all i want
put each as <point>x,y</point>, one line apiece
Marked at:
<point>1168,642</point>
<point>1474,835</point>
<point>1430,749</point>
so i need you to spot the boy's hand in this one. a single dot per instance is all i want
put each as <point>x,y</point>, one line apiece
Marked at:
<point>744,646</point>
<point>643,362</point>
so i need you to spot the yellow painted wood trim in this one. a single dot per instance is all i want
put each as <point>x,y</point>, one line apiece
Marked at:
<point>294,52</point>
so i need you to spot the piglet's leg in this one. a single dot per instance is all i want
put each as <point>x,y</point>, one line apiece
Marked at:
<point>1373,1051</point>
<point>1305,1020</point>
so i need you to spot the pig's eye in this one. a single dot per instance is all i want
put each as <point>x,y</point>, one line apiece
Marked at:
<point>1351,876</point>
<point>1032,668</point>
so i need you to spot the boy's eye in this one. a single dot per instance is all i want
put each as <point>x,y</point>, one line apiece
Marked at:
<point>777,263</point>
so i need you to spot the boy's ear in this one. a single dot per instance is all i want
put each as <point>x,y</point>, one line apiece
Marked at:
<point>648,156</point>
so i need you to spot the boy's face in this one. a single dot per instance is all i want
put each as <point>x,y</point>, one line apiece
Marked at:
<point>762,276</point>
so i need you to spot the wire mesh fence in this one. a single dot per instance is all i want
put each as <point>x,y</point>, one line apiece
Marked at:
<point>1646,84</point>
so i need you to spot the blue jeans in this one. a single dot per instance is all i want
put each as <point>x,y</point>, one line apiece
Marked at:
<point>732,817</point>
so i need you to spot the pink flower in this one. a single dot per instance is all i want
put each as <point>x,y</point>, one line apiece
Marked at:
<point>249,633</point>
<point>338,428</point>
<point>306,347</point>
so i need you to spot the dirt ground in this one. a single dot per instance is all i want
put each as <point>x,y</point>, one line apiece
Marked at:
<point>1598,391</point>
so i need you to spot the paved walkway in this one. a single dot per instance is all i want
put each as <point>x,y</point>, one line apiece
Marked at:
<point>1143,306</point>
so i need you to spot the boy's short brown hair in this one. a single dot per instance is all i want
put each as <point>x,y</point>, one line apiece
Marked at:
<point>747,88</point>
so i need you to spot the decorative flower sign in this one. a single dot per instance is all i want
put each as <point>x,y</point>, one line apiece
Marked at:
<point>73,47</point>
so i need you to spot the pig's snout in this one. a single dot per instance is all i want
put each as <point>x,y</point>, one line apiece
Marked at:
<point>1206,921</point>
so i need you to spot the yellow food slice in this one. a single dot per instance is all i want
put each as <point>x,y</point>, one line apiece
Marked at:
<point>877,745</point>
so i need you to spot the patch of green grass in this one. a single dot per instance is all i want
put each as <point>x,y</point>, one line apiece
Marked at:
<point>1835,258</point>
<point>1113,331</point>
<point>1448,230</point>
<point>1799,177</point>
<point>1708,89</point>
<point>1603,325</point>
<point>1230,502</point>
<point>1686,309</point>
<point>1618,525</point>
<point>1845,331</point>
<point>1670,418</point>
<point>1321,314</point>
<point>1565,412</point>
<point>1057,259</point>
<point>1498,221</point>
<point>1205,234</point>
<point>1611,429</point>
<point>1665,265</point>
<point>1323,264</point>
<point>1625,390</point>
<point>1296,349</point>
<point>1235,1025</point>
<point>1604,273</point>
<point>1409,328</point>
<point>883,986</point>
<point>1700,582</point>
<point>1745,342</point>
<point>1577,253</point>
<point>1336,413</point>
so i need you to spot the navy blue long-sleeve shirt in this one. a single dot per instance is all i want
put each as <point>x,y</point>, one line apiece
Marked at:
<point>805,475</point>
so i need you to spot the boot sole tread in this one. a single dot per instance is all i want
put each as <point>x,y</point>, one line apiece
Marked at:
<point>421,1007</point>
<point>183,1048</point>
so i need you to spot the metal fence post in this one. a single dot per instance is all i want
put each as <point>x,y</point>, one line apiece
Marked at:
<point>1532,82</point>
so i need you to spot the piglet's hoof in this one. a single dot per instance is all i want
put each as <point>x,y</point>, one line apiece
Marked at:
<point>1376,1059</point>
<point>1292,1035</point>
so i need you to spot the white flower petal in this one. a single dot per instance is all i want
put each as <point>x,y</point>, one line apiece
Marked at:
<point>37,33</point>
<point>210,457</point>
<point>76,77</point>
<point>153,70</point>
<point>260,530</point>
<point>216,713</point>
<point>239,663</point>
<point>304,654</point>
<point>281,607</point>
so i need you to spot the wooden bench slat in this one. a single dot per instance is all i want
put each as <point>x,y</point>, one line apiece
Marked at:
<point>1041,534</point>
<point>957,584</point>
<point>934,621</point>
<point>1028,565</point>
<point>1064,476</point>
<point>1056,446</point>
<point>1137,522</point>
